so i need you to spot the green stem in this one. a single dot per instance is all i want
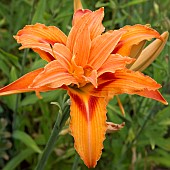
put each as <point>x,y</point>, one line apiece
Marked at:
<point>142,127</point>
<point>61,119</point>
<point>76,162</point>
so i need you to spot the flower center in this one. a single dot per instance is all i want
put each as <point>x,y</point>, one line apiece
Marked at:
<point>84,74</point>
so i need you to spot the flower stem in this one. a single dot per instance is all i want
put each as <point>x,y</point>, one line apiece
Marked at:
<point>60,121</point>
<point>76,162</point>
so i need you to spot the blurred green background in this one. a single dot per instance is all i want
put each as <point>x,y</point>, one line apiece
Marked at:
<point>26,121</point>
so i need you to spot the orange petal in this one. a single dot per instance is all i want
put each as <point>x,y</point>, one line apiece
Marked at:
<point>45,55</point>
<point>125,81</point>
<point>92,77</point>
<point>56,52</point>
<point>78,14</point>
<point>53,76</point>
<point>93,20</point>
<point>82,47</point>
<point>43,49</point>
<point>35,36</point>
<point>77,71</point>
<point>96,27</point>
<point>62,54</point>
<point>113,63</point>
<point>83,75</point>
<point>134,35</point>
<point>102,46</point>
<point>88,125</point>
<point>22,84</point>
<point>156,95</point>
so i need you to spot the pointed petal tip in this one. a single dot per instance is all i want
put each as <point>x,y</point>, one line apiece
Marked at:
<point>15,36</point>
<point>153,94</point>
<point>3,92</point>
<point>21,85</point>
<point>101,9</point>
<point>165,102</point>
<point>165,35</point>
<point>150,53</point>
<point>135,34</point>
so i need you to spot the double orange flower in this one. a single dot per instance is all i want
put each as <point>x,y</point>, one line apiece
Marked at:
<point>91,65</point>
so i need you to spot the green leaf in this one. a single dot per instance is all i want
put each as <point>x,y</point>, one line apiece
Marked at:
<point>11,99</point>
<point>38,64</point>
<point>14,162</point>
<point>163,143</point>
<point>4,68</point>
<point>9,58</point>
<point>13,74</point>
<point>39,13</point>
<point>69,153</point>
<point>152,142</point>
<point>159,160</point>
<point>131,3</point>
<point>101,4</point>
<point>27,140</point>
<point>29,100</point>
<point>47,97</point>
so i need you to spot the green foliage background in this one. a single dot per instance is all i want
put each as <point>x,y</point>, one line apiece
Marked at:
<point>26,121</point>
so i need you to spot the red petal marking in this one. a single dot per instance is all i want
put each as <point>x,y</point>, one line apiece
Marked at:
<point>82,107</point>
<point>88,125</point>
<point>101,48</point>
<point>125,81</point>
<point>22,84</point>
<point>134,35</point>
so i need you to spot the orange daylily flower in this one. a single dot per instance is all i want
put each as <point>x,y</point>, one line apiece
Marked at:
<point>91,66</point>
